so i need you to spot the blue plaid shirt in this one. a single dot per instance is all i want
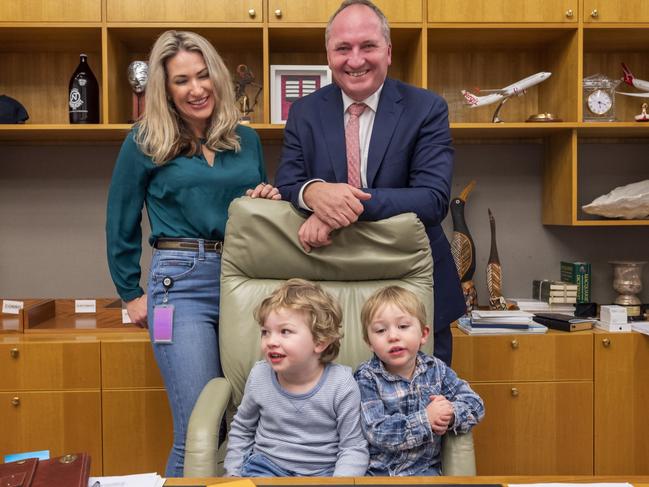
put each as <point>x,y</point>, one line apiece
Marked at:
<point>393,414</point>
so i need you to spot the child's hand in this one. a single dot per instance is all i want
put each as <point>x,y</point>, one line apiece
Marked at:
<point>440,414</point>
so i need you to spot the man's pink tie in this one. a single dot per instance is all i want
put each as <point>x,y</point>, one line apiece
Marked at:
<point>353,144</point>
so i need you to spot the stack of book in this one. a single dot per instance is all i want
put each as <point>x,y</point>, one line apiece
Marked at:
<point>578,273</point>
<point>554,291</point>
<point>499,322</point>
<point>536,305</point>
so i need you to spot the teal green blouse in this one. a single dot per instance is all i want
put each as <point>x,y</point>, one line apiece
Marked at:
<point>185,198</point>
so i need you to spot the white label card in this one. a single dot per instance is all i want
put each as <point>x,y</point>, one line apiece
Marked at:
<point>85,306</point>
<point>126,319</point>
<point>12,307</point>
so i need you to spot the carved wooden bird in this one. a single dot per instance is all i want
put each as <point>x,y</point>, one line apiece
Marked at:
<point>494,271</point>
<point>463,248</point>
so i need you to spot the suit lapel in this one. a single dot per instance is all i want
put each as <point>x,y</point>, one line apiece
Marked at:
<point>387,117</point>
<point>332,119</point>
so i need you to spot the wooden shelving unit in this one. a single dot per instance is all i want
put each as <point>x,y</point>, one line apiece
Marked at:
<point>438,45</point>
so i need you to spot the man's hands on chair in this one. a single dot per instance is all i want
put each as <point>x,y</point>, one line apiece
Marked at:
<point>334,205</point>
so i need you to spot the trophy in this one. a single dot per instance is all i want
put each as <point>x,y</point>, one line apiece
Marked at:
<point>627,280</point>
<point>138,75</point>
<point>245,82</point>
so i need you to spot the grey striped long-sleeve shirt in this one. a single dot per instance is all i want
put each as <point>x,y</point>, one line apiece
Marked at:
<point>306,433</point>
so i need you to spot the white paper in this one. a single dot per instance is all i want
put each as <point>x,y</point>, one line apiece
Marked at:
<point>85,306</point>
<point>137,480</point>
<point>125,317</point>
<point>594,484</point>
<point>12,307</point>
<point>640,326</point>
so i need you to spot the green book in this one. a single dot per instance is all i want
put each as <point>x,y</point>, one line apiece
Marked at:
<point>578,273</point>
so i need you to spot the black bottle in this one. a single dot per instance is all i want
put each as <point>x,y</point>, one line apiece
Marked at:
<point>83,94</point>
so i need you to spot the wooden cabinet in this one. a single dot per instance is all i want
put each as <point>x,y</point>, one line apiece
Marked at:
<point>503,11</point>
<point>286,11</point>
<point>621,398</point>
<point>178,11</point>
<point>616,11</point>
<point>560,403</point>
<point>530,386</point>
<point>100,394</point>
<point>51,11</point>
<point>535,428</point>
<point>136,421</point>
<point>50,397</point>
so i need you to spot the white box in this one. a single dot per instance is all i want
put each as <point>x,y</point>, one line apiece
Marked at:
<point>613,314</point>
<point>613,327</point>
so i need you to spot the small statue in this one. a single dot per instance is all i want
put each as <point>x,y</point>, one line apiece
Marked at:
<point>138,75</point>
<point>246,78</point>
<point>463,248</point>
<point>643,117</point>
<point>494,272</point>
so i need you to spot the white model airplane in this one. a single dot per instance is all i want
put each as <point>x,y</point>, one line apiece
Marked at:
<point>502,95</point>
<point>631,80</point>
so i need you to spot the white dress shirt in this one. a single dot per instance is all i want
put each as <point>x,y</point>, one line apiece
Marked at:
<point>366,124</point>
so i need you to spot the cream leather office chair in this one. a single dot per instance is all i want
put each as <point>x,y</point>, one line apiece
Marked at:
<point>262,250</point>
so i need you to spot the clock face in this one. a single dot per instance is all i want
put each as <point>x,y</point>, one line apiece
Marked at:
<point>599,102</point>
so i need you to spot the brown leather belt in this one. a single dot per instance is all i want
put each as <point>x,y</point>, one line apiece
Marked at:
<point>190,244</point>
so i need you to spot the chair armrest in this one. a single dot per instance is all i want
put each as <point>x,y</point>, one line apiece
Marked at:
<point>458,455</point>
<point>202,441</point>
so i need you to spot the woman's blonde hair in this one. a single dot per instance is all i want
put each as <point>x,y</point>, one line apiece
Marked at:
<point>323,313</point>
<point>162,134</point>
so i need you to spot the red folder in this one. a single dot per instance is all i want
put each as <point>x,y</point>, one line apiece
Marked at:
<point>65,471</point>
<point>18,474</point>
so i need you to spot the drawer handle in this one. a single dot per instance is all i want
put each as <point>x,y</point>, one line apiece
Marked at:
<point>569,13</point>
<point>606,342</point>
<point>15,401</point>
<point>515,391</point>
<point>278,13</point>
<point>14,352</point>
<point>514,344</point>
<point>252,13</point>
<point>594,14</point>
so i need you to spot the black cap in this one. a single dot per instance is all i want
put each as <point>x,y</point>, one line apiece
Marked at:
<point>11,111</point>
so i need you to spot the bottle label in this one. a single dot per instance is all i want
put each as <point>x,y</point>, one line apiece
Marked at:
<point>75,99</point>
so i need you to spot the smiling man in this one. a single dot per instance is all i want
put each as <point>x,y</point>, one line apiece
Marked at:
<point>368,147</point>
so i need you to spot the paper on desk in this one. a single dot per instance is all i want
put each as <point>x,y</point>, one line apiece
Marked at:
<point>561,484</point>
<point>138,480</point>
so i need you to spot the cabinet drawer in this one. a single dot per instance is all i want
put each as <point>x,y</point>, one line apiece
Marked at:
<point>616,11</point>
<point>181,11</point>
<point>61,422</point>
<point>49,365</point>
<point>503,10</point>
<point>137,431</point>
<point>535,429</point>
<point>50,11</point>
<point>321,10</point>
<point>555,356</point>
<point>129,364</point>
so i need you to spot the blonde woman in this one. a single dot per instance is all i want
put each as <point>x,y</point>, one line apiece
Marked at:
<point>187,159</point>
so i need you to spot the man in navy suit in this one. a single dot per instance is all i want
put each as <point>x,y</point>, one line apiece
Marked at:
<point>400,153</point>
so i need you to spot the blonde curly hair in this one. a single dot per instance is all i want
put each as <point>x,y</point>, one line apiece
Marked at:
<point>323,313</point>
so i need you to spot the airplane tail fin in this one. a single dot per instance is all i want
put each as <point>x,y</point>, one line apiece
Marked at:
<point>628,75</point>
<point>470,98</point>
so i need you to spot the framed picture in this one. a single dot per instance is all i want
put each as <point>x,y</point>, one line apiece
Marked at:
<point>289,83</point>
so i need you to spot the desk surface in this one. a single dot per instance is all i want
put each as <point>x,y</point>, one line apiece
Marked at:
<point>636,480</point>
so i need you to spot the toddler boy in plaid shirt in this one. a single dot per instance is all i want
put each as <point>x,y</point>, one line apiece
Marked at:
<point>409,400</point>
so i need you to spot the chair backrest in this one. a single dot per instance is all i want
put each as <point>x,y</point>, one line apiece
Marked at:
<point>262,250</point>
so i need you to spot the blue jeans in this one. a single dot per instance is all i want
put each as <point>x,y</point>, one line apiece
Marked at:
<point>259,465</point>
<point>192,359</point>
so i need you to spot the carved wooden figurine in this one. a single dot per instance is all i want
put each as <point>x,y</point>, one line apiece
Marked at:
<point>494,271</point>
<point>463,248</point>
